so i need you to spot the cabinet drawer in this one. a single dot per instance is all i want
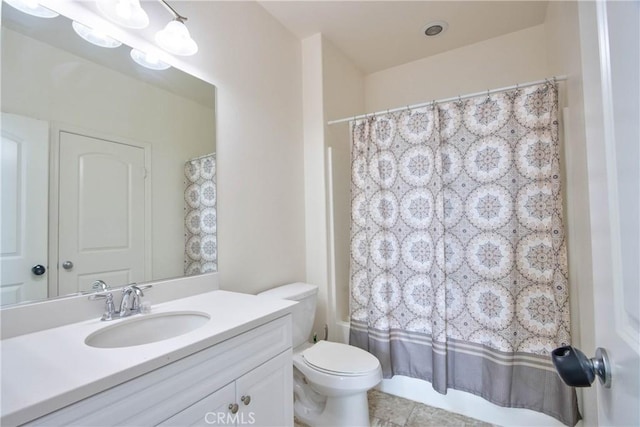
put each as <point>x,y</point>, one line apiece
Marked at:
<point>156,396</point>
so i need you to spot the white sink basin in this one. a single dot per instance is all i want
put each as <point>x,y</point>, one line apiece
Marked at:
<point>147,329</point>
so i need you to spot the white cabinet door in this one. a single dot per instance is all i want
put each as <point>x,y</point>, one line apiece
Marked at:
<point>212,410</point>
<point>263,396</point>
<point>265,393</point>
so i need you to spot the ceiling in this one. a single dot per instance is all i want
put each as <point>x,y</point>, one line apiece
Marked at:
<point>377,35</point>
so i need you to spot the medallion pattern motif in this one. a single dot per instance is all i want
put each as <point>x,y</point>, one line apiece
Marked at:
<point>457,222</point>
<point>201,247</point>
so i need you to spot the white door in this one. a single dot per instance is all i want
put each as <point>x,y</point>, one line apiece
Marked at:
<point>25,166</point>
<point>101,213</point>
<point>612,93</point>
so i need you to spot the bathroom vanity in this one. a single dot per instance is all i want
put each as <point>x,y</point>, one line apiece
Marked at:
<point>234,368</point>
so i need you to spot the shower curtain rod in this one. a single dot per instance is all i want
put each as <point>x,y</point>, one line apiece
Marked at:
<point>202,157</point>
<point>455,98</point>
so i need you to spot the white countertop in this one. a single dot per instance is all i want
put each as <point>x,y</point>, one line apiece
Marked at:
<point>47,370</point>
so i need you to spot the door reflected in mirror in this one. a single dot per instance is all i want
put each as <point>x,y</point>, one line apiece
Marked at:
<point>108,169</point>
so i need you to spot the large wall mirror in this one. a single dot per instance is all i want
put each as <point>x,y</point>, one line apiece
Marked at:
<point>108,168</point>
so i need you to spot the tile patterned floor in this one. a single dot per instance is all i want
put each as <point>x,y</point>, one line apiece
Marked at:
<point>386,410</point>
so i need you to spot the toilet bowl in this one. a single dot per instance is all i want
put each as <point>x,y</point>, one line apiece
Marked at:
<point>342,384</point>
<point>331,380</point>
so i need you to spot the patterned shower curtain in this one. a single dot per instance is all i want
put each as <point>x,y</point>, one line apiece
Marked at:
<point>458,258</point>
<point>201,247</point>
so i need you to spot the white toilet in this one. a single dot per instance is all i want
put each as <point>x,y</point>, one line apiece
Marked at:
<point>331,380</point>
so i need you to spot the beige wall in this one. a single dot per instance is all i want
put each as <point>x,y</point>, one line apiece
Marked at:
<point>100,101</point>
<point>256,66</point>
<point>562,29</point>
<point>498,62</point>
<point>314,177</point>
<point>332,87</point>
<point>343,95</point>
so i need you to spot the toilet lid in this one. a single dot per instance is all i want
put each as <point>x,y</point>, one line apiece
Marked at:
<point>340,358</point>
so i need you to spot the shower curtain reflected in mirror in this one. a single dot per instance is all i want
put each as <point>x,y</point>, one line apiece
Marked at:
<point>458,259</point>
<point>201,246</point>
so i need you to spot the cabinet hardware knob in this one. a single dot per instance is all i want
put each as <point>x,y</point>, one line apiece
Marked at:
<point>67,265</point>
<point>233,407</point>
<point>246,399</point>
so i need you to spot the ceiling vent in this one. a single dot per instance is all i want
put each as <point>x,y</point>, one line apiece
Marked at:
<point>435,28</point>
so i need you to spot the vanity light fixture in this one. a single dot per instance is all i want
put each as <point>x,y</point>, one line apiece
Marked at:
<point>148,60</point>
<point>32,7</point>
<point>95,37</point>
<point>127,13</point>
<point>175,37</point>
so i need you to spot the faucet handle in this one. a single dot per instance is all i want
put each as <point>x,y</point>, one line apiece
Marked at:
<point>133,287</point>
<point>137,289</point>
<point>110,308</point>
<point>100,286</point>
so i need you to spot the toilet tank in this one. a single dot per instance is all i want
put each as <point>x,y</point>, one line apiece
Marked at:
<point>303,313</point>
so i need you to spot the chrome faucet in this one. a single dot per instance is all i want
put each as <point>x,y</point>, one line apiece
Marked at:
<point>129,305</point>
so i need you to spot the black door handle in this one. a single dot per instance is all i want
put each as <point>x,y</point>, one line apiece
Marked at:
<point>577,370</point>
<point>38,269</point>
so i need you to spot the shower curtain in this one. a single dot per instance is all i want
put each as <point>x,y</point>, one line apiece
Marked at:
<point>458,260</point>
<point>201,246</point>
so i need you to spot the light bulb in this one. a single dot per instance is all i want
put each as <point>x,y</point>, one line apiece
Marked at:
<point>32,7</point>
<point>123,9</point>
<point>95,37</point>
<point>175,38</point>
<point>148,60</point>
<point>127,13</point>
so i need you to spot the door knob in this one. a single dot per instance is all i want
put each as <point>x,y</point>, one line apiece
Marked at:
<point>38,270</point>
<point>67,265</point>
<point>577,370</point>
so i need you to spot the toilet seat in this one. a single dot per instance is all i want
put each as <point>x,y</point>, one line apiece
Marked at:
<point>340,359</point>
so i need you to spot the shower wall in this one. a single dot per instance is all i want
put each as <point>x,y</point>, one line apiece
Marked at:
<point>502,61</point>
<point>562,30</point>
